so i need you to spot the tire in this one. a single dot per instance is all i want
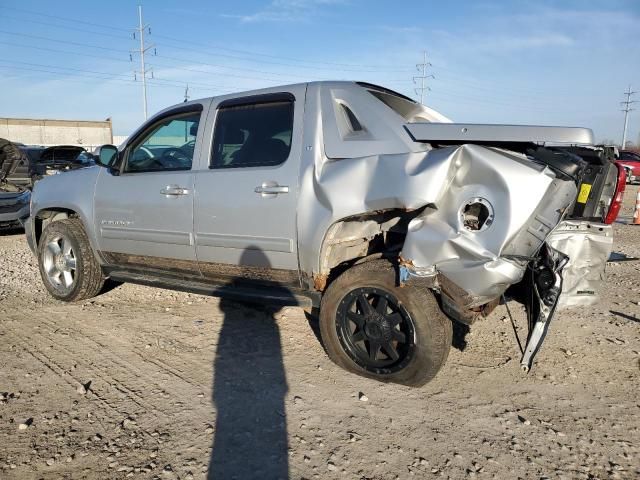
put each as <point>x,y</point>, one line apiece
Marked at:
<point>68,266</point>
<point>412,325</point>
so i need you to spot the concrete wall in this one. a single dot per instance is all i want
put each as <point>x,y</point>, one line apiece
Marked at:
<point>119,139</point>
<point>87,134</point>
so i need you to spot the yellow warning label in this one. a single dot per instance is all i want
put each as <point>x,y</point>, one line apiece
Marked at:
<point>585,190</point>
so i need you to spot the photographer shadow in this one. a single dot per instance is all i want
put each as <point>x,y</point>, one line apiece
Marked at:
<point>249,390</point>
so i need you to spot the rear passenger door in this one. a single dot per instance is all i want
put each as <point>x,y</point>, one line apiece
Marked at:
<point>246,195</point>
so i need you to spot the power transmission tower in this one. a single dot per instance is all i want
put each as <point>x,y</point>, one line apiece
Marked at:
<point>143,49</point>
<point>627,108</point>
<point>422,68</point>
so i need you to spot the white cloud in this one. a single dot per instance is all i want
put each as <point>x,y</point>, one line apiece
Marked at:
<point>286,11</point>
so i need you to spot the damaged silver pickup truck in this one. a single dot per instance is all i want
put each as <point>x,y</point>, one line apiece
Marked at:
<point>344,196</point>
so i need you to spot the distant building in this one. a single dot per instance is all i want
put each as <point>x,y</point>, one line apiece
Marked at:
<point>119,139</point>
<point>45,132</point>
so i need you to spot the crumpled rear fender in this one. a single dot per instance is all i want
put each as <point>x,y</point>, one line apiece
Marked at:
<point>526,200</point>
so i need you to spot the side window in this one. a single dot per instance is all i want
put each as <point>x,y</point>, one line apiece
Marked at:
<point>169,145</point>
<point>253,135</point>
<point>629,156</point>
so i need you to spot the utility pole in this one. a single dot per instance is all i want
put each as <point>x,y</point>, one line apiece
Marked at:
<point>422,68</point>
<point>627,108</point>
<point>143,67</point>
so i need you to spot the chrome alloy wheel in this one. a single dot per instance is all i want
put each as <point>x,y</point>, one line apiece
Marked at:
<point>59,263</point>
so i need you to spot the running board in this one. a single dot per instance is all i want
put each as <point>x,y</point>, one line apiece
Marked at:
<point>270,294</point>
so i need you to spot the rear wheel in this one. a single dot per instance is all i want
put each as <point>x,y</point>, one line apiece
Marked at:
<point>374,328</point>
<point>68,266</point>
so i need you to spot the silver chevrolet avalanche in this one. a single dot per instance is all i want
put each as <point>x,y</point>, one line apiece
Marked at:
<point>344,197</point>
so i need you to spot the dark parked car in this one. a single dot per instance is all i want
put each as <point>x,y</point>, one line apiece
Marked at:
<point>14,196</point>
<point>64,157</point>
<point>21,166</point>
<point>37,161</point>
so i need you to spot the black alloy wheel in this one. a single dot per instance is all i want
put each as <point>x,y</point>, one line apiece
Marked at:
<point>375,330</point>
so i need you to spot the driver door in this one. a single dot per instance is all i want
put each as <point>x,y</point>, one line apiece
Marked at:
<point>144,210</point>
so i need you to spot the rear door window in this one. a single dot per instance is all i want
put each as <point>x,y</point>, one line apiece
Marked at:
<point>253,135</point>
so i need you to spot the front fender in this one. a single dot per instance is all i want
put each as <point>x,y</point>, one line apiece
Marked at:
<point>71,191</point>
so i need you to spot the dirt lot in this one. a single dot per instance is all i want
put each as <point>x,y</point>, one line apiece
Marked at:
<point>147,383</point>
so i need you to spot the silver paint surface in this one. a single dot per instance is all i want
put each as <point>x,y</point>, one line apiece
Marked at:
<point>471,132</point>
<point>335,173</point>
<point>588,246</point>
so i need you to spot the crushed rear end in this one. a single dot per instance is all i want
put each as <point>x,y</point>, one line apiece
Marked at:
<point>514,212</point>
<point>468,211</point>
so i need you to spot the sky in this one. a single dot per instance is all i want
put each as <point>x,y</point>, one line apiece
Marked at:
<point>524,62</point>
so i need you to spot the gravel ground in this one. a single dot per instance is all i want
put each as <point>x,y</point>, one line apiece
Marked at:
<point>147,383</point>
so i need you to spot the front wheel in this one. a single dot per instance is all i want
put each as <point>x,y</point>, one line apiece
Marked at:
<point>68,266</point>
<point>374,328</point>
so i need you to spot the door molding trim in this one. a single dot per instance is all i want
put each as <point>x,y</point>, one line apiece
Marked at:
<point>147,235</point>
<point>244,242</point>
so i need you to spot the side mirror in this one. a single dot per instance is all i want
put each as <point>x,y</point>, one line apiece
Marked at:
<point>106,155</point>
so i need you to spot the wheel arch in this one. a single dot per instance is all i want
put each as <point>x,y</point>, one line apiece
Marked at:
<point>47,215</point>
<point>361,238</point>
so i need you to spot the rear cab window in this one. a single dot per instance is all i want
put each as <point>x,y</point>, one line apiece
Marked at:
<point>253,132</point>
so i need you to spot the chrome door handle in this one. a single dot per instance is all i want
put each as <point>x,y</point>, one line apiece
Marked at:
<point>271,188</point>
<point>174,191</point>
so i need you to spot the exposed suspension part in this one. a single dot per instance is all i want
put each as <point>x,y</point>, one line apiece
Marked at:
<point>545,285</point>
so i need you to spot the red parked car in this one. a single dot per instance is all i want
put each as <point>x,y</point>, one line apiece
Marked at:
<point>630,161</point>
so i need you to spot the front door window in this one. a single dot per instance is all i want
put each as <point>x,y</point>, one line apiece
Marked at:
<point>169,145</point>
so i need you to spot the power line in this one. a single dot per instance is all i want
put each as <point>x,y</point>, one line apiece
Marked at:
<point>76,21</point>
<point>48,39</point>
<point>115,59</point>
<point>350,68</point>
<point>104,74</point>
<point>218,87</point>
<point>627,108</point>
<point>63,27</point>
<point>275,74</point>
<point>99,47</point>
<point>449,94</point>
<point>422,68</point>
<point>90,79</point>
<point>120,77</point>
<point>65,19</point>
<point>262,78</point>
<point>345,67</point>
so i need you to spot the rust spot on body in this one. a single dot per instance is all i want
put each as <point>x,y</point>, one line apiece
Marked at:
<point>404,261</point>
<point>320,281</point>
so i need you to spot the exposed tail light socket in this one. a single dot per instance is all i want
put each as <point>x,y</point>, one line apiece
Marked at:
<point>616,202</point>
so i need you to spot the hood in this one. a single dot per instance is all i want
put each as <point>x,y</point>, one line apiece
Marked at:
<point>10,158</point>
<point>60,154</point>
